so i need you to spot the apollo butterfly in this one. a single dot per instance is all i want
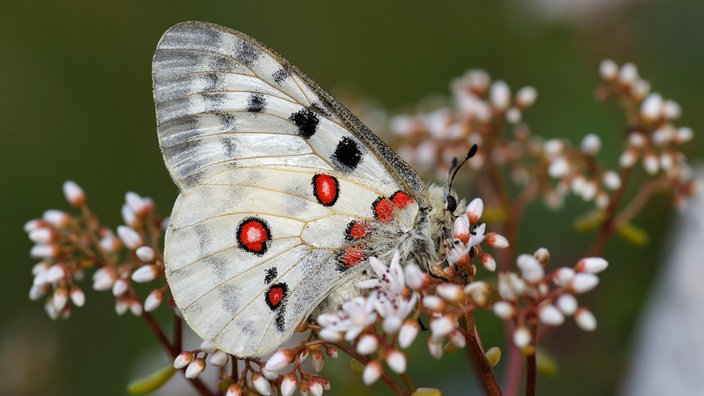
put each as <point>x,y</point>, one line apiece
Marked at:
<point>285,194</point>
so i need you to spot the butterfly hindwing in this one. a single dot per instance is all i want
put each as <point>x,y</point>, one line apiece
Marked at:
<point>279,183</point>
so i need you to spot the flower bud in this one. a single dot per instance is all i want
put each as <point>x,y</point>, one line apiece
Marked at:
<point>74,193</point>
<point>651,108</point>
<point>488,262</point>
<point>317,360</point>
<point>608,70</point>
<point>44,251</point>
<point>56,218</point>
<point>415,277</point>
<point>496,241</point>
<point>219,358</point>
<point>521,337</point>
<point>530,267</point>
<point>153,300</point>
<point>585,319</point>
<point>60,298</point>
<point>235,390</point>
<point>474,211</point>
<point>120,287</point>
<point>145,273</point>
<point>591,144</point>
<point>367,344</point>
<point>195,368</point>
<point>129,237</point>
<point>550,315</point>
<point>435,348</point>
<point>450,292</point>
<point>408,333</point>
<point>567,304</point>
<point>499,95</point>
<point>397,361</point>
<point>592,265</point>
<point>457,338</point>
<point>504,310</point>
<point>583,282</point>
<point>145,254</point>
<point>41,235</point>
<point>55,273</point>
<point>372,372</point>
<point>442,326</point>
<point>261,384</point>
<point>525,97</point>
<point>315,388</point>
<point>183,359</point>
<point>289,384</point>
<point>433,303</point>
<point>279,360</point>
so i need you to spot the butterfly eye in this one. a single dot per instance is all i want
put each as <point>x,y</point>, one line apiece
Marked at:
<point>450,203</point>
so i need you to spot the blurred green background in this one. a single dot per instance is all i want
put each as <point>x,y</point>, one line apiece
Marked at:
<point>76,104</point>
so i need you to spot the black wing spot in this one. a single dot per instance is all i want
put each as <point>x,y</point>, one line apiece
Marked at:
<point>247,53</point>
<point>280,75</point>
<point>271,274</point>
<point>211,82</point>
<point>347,154</point>
<point>256,103</point>
<point>306,121</point>
<point>229,146</point>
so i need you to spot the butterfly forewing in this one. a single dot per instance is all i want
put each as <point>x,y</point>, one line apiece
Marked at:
<point>280,185</point>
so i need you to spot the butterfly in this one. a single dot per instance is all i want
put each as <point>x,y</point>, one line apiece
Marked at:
<point>284,193</point>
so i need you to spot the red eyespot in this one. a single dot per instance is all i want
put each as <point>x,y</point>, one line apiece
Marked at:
<point>253,235</point>
<point>275,295</point>
<point>383,209</point>
<point>350,257</point>
<point>357,230</point>
<point>326,189</point>
<point>401,199</point>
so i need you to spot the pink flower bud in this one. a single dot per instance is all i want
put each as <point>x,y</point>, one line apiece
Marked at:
<point>585,319</point>
<point>129,237</point>
<point>583,282</point>
<point>317,360</point>
<point>44,251</point>
<point>450,292</point>
<point>77,296</point>
<point>121,306</point>
<point>474,210</point>
<point>397,361</point>
<point>521,337</point>
<point>128,216</point>
<point>415,277</point>
<point>433,303</point>
<point>41,235</point>
<point>488,262</point>
<point>103,278</point>
<point>408,333</point>
<point>457,338</point>
<point>136,307</point>
<point>120,287</point>
<point>56,218</point>
<point>153,300</point>
<point>279,360</point>
<point>503,309</point>
<point>219,358</point>
<point>608,70</point>
<point>60,298</point>
<point>315,388</point>
<point>289,384</point>
<point>592,265</point>
<point>38,291</point>
<point>145,254</point>
<point>55,273</point>
<point>261,384</point>
<point>442,326</point>
<point>145,273</point>
<point>460,230</point>
<point>435,348</point>
<point>183,360</point>
<point>235,390</point>
<point>74,193</point>
<point>567,304</point>
<point>495,240</point>
<point>372,372</point>
<point>195,368</point>
<point>367,344</point>
<point>140,206</point>
<point>34,225</point>
<point>550,315</point>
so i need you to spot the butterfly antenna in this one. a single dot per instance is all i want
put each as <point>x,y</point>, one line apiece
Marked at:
<point>472,151</point>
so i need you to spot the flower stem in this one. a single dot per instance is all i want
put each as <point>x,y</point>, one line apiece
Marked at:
<point>478,357</point>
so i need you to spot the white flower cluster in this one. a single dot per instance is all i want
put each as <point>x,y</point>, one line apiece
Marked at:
<point>479,104</point>
<point>65,245</point>
<point>548,297</point>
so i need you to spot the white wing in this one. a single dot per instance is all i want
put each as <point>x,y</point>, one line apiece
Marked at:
<point>280,187</point>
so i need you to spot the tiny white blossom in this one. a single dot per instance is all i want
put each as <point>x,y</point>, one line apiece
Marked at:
<point>608,70</point>
<point>442,326</point>
<point>261,384</point>
<point>219,358</point>
<point>585,319</point>
<point>499,95</point>
<point>521,337</point>
<point>279,360</point>
<point>503,309</point>
<point>592,265</point>
<point>563,276</point>
<point>120,287</point>
<point>195,368</point>
<point>474,210</point>
<point>628,73</point>
<point>145,254</point>
<point>550,315</point>
<point>651,108</point>
<point>371,373</point>
<point>530,267</point>
<point>55,273</point>
<point>435,347</point>
<point>367,344</point>
<point>450,292</point>
<point>145,273</point>
<point>397,361</point>
<point>567,304</point>
<point>289,385</point>
<point>74,193</point>
<point>525,97</point>
<point>129,237</point>
<point>591,144</point>
<point>583,282</point>
<point>57,218</point>
<point>408,333</point>
<point>153,300</point>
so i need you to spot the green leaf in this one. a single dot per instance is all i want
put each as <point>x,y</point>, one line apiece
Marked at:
<point>634,234</point>
<point>589,220</point>
<point>427,392</point>
<point>152,382</point>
